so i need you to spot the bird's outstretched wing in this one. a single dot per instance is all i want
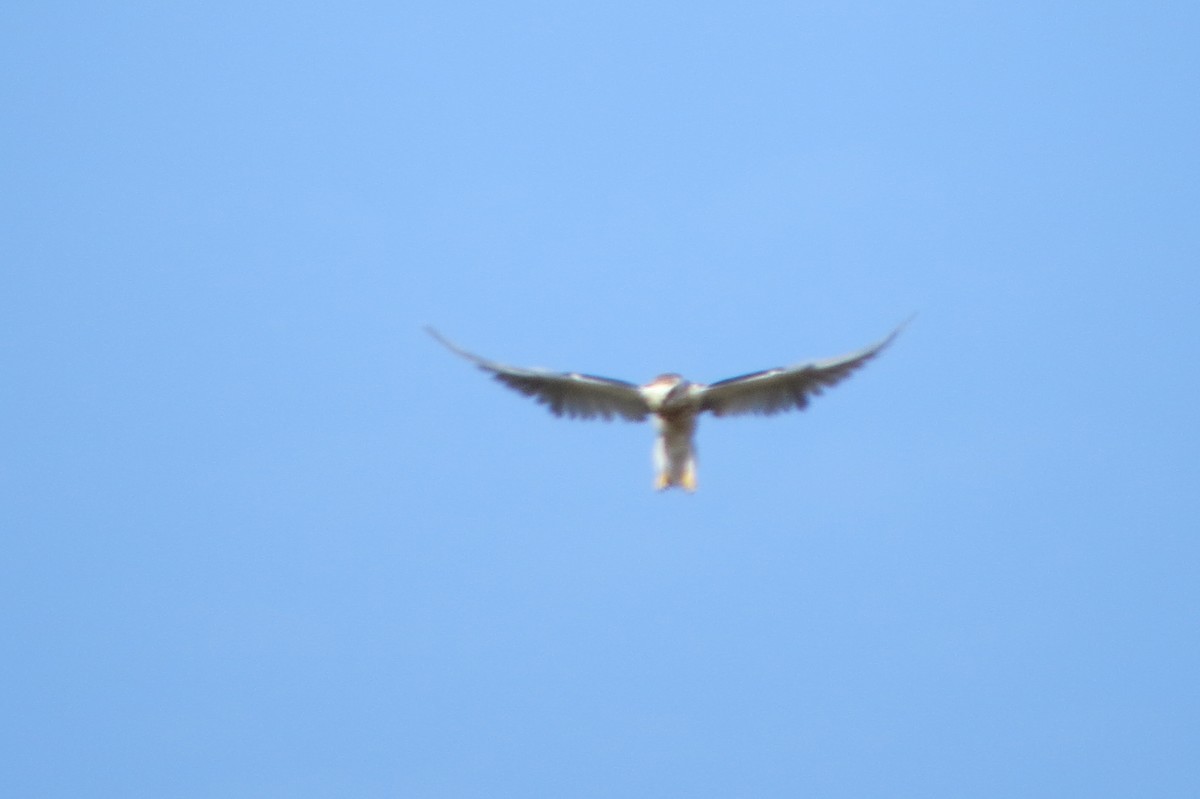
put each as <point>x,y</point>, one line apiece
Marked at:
<point>774,390</point>
<point>574,395</point>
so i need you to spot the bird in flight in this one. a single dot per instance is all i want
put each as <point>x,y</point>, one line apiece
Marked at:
<point>673,402</point>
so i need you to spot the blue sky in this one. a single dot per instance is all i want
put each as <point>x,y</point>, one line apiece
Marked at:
<point>263,537</point>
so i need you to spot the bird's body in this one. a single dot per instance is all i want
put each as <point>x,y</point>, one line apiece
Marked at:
<point>673,402</point>
<point>675,449</point>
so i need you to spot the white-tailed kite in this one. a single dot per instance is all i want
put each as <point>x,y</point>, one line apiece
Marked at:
<point>673,401</point>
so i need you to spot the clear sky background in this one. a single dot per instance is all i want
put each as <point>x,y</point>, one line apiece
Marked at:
<point>263,537</point>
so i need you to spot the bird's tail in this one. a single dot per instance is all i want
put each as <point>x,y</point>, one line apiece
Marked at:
<point>684,478</point>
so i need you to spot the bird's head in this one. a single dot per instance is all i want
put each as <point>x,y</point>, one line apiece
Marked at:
<point>658,390</point>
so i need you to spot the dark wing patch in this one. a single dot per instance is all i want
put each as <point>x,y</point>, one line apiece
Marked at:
<point>772,391</point>
<point>574,395</point>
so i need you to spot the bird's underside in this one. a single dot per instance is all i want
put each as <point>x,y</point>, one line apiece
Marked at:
<point>673,402</point>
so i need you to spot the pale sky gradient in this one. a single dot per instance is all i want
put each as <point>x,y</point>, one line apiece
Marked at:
<point>263,537</point>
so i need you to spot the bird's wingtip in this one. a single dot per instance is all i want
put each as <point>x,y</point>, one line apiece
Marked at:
<point>898,329</point>
<point>438,337</point>
<point>457,350</point>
